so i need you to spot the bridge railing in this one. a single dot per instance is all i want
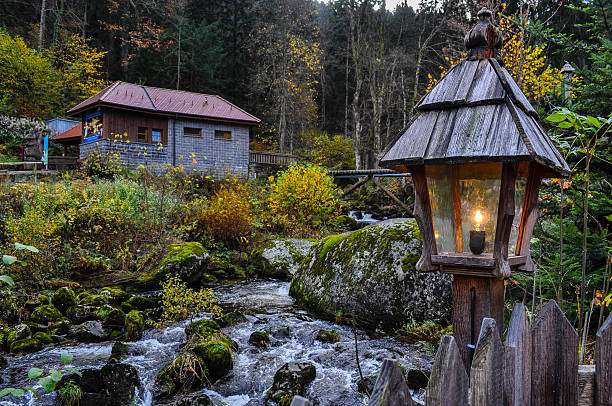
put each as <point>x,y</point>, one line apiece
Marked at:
<point>271,158</point>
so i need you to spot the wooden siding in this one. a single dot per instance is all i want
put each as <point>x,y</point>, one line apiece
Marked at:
<point>120,122</point>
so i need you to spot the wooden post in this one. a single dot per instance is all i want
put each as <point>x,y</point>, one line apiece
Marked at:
<point>487,371</point>
<point>603,365</point>
<point>475,298</point>
<point>554,362</point>
<point>390,388</point>
<point>449,382</point>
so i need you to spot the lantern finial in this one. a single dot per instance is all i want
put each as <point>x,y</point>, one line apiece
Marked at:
<point>484,40</point>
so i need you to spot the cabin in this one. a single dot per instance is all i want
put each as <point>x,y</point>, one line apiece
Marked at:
<point>159,128</point>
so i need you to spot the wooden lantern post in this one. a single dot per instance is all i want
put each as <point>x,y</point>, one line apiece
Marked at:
<point>477,155</point>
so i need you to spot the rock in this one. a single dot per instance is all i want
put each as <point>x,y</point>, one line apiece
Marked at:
<point>282,257</point>
<point>371,273</point>
<point>61,327</point>
<point>3,362</point>
<point>89,332</point>
<point>116,295</point>
<point>19,332</point>
<point>26,345</point>
<point>186,260</point>
<point>186,372</point>
<point>86,298</point>
<point>63,298</point>
<point>134,323</point>
<point>260,339</point>
<point>118,352</point>
<point>111,316</point>
<point>366,385</point>
<point>217,357</point>
<point>194,399</point>
<point>231,319</point>
<point>34,303</point>
<point>290,380</point>
<point>204,328</point>
<point>417,379</point>
<point>43,338</point>
<point>80,313</point>
<point>280,332</point>
<point>138,303</point>
<point>93,391</point>
<point>328,336</point>
<point>120,381</point>
<point>46,314</point>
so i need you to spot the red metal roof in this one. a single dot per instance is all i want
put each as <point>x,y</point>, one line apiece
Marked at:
<point>74,134</point>
<point>160,100</point>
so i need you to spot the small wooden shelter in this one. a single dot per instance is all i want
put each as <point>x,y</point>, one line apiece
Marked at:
<point>477,155</point>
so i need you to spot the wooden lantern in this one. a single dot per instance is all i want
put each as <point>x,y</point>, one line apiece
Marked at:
<point>477,156</point>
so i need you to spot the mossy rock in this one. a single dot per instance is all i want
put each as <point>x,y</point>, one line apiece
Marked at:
<point>328,336</point>
<point>281,258</point>
<point>371,273</point>
<point>61,327</point>
<point>36,302</point>
<point>291,380</point>
<point>46,314</point>
<point>260,339</point>
<point>186,372</point>
<point>63,299</point>
<point>345,223</point>
<point>43,337</point>
<point>186,260</point>
<point>26,345</point>
<point>90,299</point>
<point>110,316</point>
<point>217,357</point>
<point>204,328</point>
<point>138,303</point>
<point>3,362</point>
<point>115,334</point>
<point>134,323</point>
<point>117,295</point>
<point>231,319</point>
<point>81,313</point>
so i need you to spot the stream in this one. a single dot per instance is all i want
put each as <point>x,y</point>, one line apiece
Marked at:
<point>267,307</point>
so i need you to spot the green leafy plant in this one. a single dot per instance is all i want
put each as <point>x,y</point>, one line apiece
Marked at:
<point>48,382</point>
<point>10,260</point>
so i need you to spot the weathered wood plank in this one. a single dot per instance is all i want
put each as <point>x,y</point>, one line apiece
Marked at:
<point>530,213</point>
<point>488,302</point>
<point>390,388</point>
<point>586,385</point>
<point>603,364</point>
<point>554,362</point>
<point>487,371</point>
<point>505,217</point>
<point>357,185</point>
<point>300,401</point>
<point>517,359</point>
<point>448,382</point>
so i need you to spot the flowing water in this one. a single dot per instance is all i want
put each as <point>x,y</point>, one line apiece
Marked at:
<point>267,307</point>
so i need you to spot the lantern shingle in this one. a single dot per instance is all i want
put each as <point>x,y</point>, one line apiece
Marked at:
<point>476,112</point>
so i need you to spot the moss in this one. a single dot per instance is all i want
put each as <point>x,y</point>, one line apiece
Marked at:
<point>138,303</point>
<point>19,332</point>
<point>70,394</point>
<point>231,319</point>
<point>115,334</point>
<point>183,256</point>
<point>86,298</point>
<point>46,314</point>
<point>260,339</point>
<point>110,316</point>
<point>26,345</point>
<point>134,323</point>
<point>116,294</point>
<point>328,336</point>
<point>216,355</point>
<point>63,298</point>
<point>187,371</point>
<point>204,328</point>
<point>43,337</point>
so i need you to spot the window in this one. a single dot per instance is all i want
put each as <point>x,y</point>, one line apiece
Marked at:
<point>192,132</point>
<point>156,135</point>
<point>142,134</point>
<point>223,135</point>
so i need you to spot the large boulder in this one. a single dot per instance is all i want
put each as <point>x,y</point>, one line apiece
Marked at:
<point>134,323</point>
<point>89,332</point>
<point>63,299</point>
<point>290,380</point>
<point>46,314</point>
<point>26,345</point>
<point>186,260</point>
<point>282,257</point>
<point>371,273</point>
<point>217,357</point>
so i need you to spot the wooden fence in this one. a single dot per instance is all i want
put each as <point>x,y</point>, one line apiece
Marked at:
<point>271,158</point>
<point>536,366</point>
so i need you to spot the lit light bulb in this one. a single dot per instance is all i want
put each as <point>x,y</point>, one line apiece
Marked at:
<point>478,217</point>
<point>436,236</point>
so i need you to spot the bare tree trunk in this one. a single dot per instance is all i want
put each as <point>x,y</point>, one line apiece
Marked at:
<point>84,25</point>
<point>43,19</point>
<point>585,229</point>
<point>58,19</point>
<point>404,99</point>
<point>178,60</point>
<point>346,87</point>
<point>356,51</point>
<point>422,48</point>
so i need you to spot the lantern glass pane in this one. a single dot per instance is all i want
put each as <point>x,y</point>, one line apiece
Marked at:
<point>464,201</point>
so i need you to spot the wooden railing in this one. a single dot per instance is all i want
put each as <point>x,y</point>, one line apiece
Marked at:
<point>271,158</point>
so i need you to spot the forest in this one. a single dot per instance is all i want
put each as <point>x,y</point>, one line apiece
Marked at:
<point>333,83</point>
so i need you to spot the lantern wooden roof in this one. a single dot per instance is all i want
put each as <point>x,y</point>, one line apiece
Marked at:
<point>475,113</point>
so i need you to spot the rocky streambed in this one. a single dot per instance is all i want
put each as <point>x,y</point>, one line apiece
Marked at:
<point>294,336</point>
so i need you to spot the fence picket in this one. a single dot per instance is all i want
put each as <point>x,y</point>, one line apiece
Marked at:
<point>390,388</point>
<point>517,359</point>
<point>487,371</point>
<point>603,365</point>
<point>554,362</point>
<point>448,382</point>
